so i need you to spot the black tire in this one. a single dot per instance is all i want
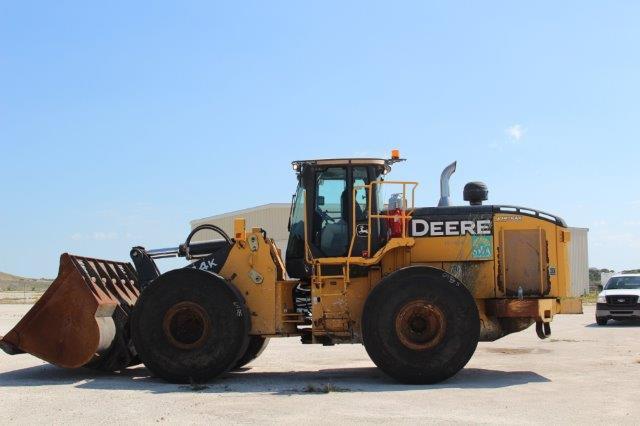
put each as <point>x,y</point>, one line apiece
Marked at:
<point>602,320</point>
<point>420,325</point>
<point>190,326</point>
<point>120,355</point>
<point>257,345</point>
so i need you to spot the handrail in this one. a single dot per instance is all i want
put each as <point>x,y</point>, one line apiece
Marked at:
<point>404,216</point>
<point>526,211</point>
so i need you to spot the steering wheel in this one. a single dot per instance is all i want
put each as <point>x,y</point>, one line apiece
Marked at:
<point>325,216</point>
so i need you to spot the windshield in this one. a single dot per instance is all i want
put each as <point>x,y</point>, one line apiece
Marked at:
<point>295,245</point>
<point>623,283</point>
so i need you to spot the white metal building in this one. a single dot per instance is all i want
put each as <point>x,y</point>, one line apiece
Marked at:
<point>579,260</point>
<point>274,218</point>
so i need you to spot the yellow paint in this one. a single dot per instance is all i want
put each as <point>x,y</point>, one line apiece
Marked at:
<point>338,297</point>
<point>270,302</point>
<point>239,229</point>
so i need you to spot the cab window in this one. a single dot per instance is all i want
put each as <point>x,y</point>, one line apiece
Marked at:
<point>360,178</point>
<point>331,211</point>
<point>295,245</point>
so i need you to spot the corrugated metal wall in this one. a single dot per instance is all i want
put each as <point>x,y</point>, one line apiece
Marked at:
<point>579,258</point>
<point>273,218</point>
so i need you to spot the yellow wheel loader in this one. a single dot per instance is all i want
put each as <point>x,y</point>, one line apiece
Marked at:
<point>419,287</point>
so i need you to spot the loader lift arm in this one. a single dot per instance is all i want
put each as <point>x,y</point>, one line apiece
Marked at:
<point>207,254</point>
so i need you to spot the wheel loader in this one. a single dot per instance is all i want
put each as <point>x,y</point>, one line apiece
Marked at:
<point>418,287</point>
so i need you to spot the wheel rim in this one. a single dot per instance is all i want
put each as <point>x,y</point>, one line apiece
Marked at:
<point>186,325</point>
<point>420,325</point>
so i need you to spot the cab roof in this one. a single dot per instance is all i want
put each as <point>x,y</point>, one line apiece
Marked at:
<point>383,162</point>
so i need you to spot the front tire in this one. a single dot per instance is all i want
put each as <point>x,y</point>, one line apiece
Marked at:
<point>602,320</point>
<point>420,325</point>
<point>190,326</point>
<point>257,345</point>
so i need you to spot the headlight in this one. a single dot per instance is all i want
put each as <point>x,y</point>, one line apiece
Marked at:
<point>601,299</point>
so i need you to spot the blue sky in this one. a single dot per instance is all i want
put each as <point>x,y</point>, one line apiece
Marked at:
<point>122,121</point>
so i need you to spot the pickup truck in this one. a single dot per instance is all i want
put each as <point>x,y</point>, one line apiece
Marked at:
<point>619,299</point>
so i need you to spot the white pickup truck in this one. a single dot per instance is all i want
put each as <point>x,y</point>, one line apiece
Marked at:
<point>619,299</point>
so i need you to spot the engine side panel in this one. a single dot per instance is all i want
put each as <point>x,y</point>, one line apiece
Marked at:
<point>494,254</point>
<point>500,257</point>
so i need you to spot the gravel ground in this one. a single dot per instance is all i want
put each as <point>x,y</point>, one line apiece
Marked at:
<point>18,297</point>
<point>582,374</point>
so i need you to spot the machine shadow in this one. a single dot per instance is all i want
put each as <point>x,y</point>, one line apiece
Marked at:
<point>363,379</point>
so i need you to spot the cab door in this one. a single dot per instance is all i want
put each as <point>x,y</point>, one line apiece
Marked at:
<point>360,177</point>
<point>330,234</point>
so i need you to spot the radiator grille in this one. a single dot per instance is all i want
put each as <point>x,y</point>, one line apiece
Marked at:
<point>622,300</point>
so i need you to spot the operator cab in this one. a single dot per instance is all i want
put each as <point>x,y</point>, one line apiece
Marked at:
<point>327,186</point>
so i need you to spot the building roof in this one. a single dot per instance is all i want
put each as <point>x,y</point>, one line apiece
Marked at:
<point>244,211</point>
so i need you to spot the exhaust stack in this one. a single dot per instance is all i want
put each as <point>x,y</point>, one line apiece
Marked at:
<point>444,185</point>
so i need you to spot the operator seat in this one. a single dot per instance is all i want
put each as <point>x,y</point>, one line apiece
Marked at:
<point>334,238</point>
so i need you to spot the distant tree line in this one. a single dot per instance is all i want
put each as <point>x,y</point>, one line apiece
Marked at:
<point>595,274</point>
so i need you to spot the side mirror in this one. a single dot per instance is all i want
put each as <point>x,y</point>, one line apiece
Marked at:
<point>320,200</point>
<point>600,287</point>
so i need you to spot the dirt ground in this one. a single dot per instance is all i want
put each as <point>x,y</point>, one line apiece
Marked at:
<point>582,374</point>
<point>18,297</point>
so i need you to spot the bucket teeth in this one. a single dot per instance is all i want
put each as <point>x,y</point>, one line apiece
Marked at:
<point>82,318</point>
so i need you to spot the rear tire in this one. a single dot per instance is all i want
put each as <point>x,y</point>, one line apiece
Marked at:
<point>257,345</point>
<point>420,325</point>
<point>602,321</point>
<point>190,326</point>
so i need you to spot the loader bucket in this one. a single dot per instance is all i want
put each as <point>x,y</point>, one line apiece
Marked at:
<point>82,318</point>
